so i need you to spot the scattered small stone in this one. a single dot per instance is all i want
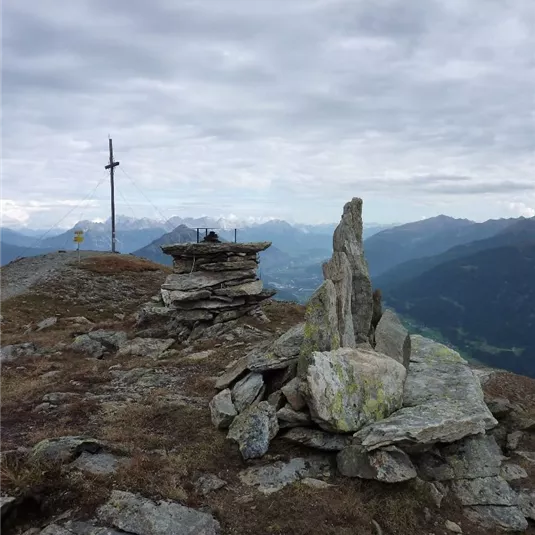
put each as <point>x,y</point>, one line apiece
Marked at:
<point>145,347</point>
<point>315,483</point>
<point>452,526</point>
<point>47,323</point>
<point>201,355</point>
<point>208,483</point>
<point>513,440</point>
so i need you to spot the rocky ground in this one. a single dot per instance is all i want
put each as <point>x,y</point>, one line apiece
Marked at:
<point>150,460</point>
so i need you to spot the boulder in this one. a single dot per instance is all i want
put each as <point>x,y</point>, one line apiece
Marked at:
<point>232,374</point>
<point>483,491</point>
<point>111,340</point>
<point>505,518</point>
<point>222,409</point>
<point>145,347</point>
<point>338,270</point>
<point>246,390</point>
<point>64,449</point>
<point>392,339</point>
<point>280,354</point>
<point>292,392</point>
<point>315,438</point>
<point>389,465</point>
<point>321,324</point>
<point>443,401</point>
<point>348,239</point>
<point>253,430</point>
<point>84,344</point>
<point>473,457</point>
<point>134,514</point>
<point>349,388</point>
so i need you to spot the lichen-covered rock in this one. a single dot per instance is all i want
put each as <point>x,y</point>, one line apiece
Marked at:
<point>443,401</point>
<point>222,409</point>
<point>253,430</point>
<point>338,270</point>
<point>64,449</point>
<point>392,339</point>
<point>349,388</point>
<point>321,325</point>
<point>348,239</point>
<point>282,353</point>
<point>315,438</point>
<point>246,390</point>
<point>389,465</point>
<point>134,514</point>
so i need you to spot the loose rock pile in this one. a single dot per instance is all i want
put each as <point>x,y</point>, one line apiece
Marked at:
<point>394,407</point>
<point>212,284</point>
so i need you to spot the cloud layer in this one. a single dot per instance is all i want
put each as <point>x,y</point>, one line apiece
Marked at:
<point>270,107</point>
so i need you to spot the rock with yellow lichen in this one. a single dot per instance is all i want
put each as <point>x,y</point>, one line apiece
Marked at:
<point>349,388</point>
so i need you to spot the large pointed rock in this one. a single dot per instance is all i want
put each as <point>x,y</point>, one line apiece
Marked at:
<point>321,324</point>
<point>443,398</point>
<point>392,339</point>
<point>348,239</point>
<point>253,430</point>
<point>338,270</point>
<point>349,388</point>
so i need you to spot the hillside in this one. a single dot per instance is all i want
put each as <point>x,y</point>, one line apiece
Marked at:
<point>484,303</point>
<point>428,237</point>
<point>9,252</point>
<point>521,231</point>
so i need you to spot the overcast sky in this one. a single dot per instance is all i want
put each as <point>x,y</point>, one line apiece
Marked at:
<point>269,108</point>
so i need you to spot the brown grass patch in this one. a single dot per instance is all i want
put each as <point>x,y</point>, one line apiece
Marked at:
<point>117,263</point>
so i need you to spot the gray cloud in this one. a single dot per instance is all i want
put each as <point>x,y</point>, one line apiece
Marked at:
<point>271,105</point>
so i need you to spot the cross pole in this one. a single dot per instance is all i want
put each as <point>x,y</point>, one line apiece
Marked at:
<point>111,166</point>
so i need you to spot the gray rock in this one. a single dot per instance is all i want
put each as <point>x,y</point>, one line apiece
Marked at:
<point>246,390</point>
<point>282,353</point>
<point>84,344</point>
<point>194,250</point>
<point>13,352</point>
<point>348,239</point>
<point>442,397</point>
<point>232,374</point>
<point>208,483</point>
<point>499,407</point>
<point>145,347</point>
<point>288,417</point>
<point>98,463</point>
<point>56,398</point>
<point>512,472</point>
<point>47,323</point>
<point>314,483</point>
<point>274,477</point>
<point>526,503</point>
<point>55,529</point>
<point>170,297</point>
<point>452,526</point>
<point>198,280</point>
<point>473,457</point>
<point>484,491</point>
<point>315,438</point>
<point>528,455</point>
<point>112,340</point>
<point>249,288</point>
<point>225,266</point>
<point>513,440</point>
<point>86,528</point>
<point>350,388</point>
<point>253,430</point>
<point>222,409</point>
<point>321,325</point>
<point>392,339</point>
<point>292,392</point>
<point>338,270</point>
<point>210,304</point>
<point>389,465</point>
<point>496,516</point>
<point>135,514</point>
<point>276,399</point>
<point>64,449</point>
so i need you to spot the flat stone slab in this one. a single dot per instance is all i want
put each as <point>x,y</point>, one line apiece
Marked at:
<point>206,249</point>
<point>198,280</point>
<point>315,438</point>
<point>98,463</point>
<point>443,401</point>
<point>134,514</point>
<point>232,374</point>
<point>274,477</point>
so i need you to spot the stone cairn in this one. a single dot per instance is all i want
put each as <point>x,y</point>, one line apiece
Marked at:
<point>393,407</point>
<point>212,284</point>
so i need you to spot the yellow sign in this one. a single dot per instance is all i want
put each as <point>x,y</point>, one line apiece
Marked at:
<point>78,236</point>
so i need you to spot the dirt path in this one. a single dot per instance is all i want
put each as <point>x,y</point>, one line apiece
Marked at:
<point>20,275</point>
